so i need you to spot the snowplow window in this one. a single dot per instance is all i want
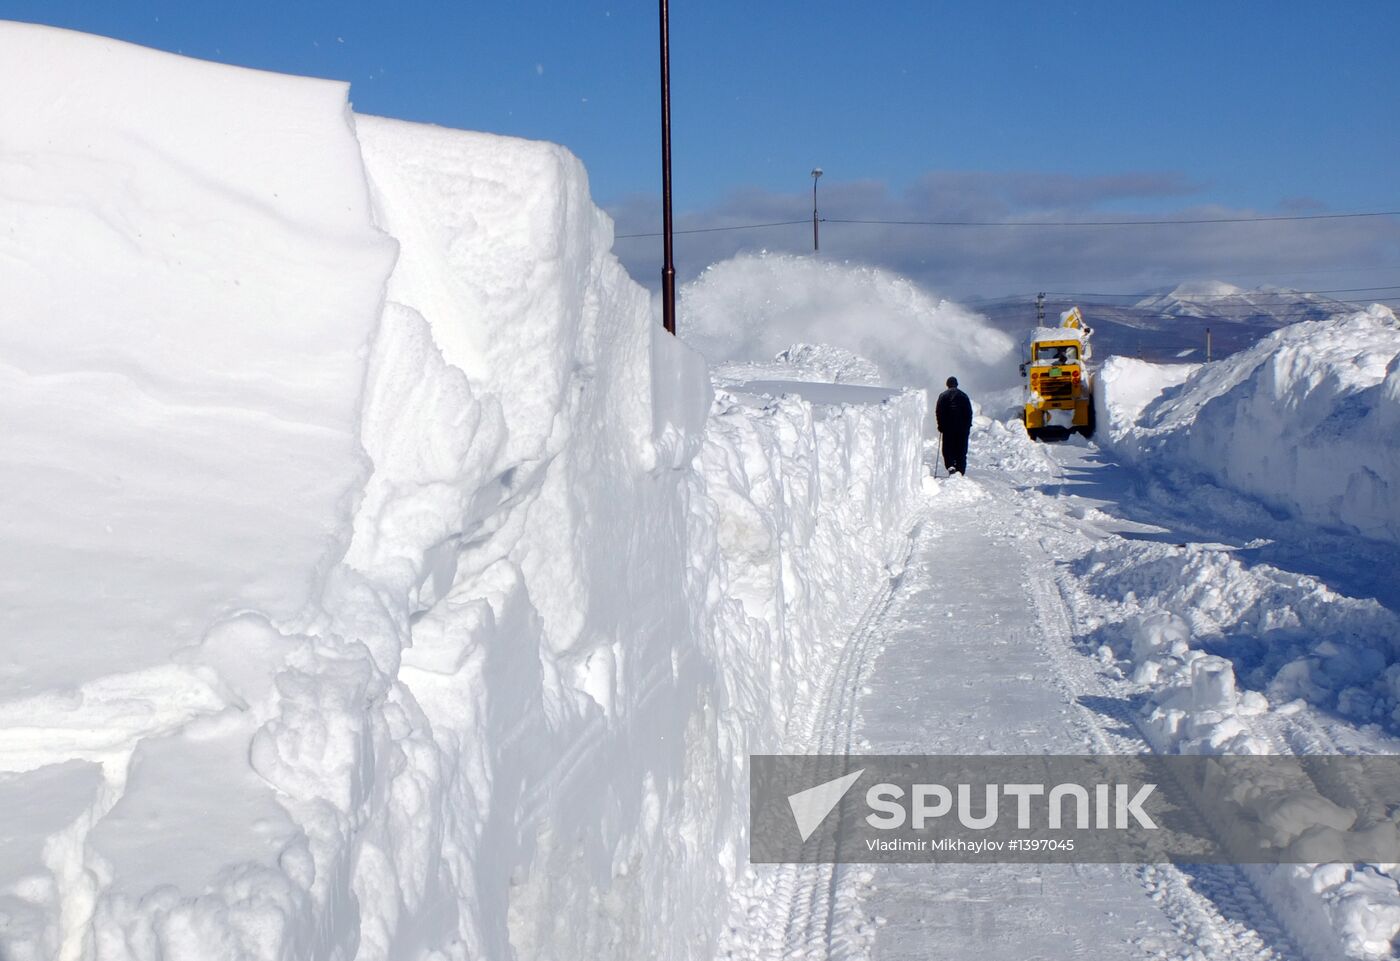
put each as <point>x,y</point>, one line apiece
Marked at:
<point>1057,355</point>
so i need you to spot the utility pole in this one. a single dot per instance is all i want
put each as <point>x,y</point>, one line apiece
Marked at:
<point>668,268</point>
<point>1040,309</point>
<point>816,174</point>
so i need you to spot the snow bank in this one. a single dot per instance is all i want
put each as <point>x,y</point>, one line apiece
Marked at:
<point>191,275</point>
<point>1224,650</point>
<point>188,254</point>
<point>753,306</point>
<point>1306,420</point>
<point>376,608</point>
<point>1126,386</point>
<point>812,496</point>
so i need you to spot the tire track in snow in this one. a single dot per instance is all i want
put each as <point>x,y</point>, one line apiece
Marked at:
<point>1221,893</point>
<point>799,909</point>
<point>836,720</point>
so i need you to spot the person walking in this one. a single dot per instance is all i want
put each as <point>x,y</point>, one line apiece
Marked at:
<point>953,413</point>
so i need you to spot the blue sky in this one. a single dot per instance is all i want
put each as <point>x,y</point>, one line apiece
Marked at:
<point>1143,109</point>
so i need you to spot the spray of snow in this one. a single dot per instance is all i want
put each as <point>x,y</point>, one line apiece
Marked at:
<point>756,305</point>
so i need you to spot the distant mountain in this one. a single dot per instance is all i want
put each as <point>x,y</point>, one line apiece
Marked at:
<point>1170,325</point>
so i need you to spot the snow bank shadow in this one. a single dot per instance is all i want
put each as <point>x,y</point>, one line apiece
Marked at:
<point>1116,713</point>
<point>1287,635</point>
<point>1179,507</point>
<point>1355,679</point>
<point>1222,885</point>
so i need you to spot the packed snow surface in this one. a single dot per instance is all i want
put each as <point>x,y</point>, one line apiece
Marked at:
<point>1039,334</point>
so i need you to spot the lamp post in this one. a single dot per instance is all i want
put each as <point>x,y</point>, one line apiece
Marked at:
<point>816,245</point>
<point>668,268</point>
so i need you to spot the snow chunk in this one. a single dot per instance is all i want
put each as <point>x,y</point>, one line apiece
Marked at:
<point>824,362</point>
<point>1126,386</point>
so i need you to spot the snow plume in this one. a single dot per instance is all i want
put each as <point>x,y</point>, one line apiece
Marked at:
<point>1307,420</point>
<point>376,606</point>
<point>755,305</point>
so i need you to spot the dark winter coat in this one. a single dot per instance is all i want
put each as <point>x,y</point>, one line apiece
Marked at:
<point>953,412</point>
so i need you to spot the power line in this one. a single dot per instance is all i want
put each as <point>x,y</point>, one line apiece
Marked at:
<point>1286,302</point>
<point>711,230</point>
<point>1252,302</point>
<point>1115,223</point>
<point>1030,223</point>
<point>1365,300</point>
<point>1265,294</point>
<point>1235,276</point>
<point>1275,299</point>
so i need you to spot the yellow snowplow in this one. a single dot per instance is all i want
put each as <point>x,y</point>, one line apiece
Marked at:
<point>1059,384</point>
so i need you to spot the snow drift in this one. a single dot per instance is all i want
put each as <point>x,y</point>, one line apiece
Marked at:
<point>377,606</point>
<point>755,305</point>
<point>1306,420</point>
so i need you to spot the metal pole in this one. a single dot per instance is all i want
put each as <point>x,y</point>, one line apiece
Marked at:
<point>1207,345</point>
<point>1040,309</point>
<point>668,268</point>
<point>816,175</point>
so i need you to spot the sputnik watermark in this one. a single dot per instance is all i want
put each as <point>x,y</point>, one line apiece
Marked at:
<point>930,801</point>
<point>1074,808</point>
<point>810,807</point>
<point>953,845</point>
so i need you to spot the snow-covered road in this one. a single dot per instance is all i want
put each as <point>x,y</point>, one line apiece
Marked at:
<point>966,669</point>
<point>993,639</point>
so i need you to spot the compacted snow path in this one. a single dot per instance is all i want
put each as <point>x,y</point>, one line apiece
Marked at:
<point>963,671</point>
<point>976,661</point>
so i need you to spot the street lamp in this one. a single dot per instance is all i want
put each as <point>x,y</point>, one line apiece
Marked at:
<point>816,245</point>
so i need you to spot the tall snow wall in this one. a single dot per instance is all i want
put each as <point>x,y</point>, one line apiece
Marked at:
<point>380,583</point>
<point>1307,420</point>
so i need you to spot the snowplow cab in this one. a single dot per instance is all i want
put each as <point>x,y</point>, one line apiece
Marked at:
<point>1059,396</point>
